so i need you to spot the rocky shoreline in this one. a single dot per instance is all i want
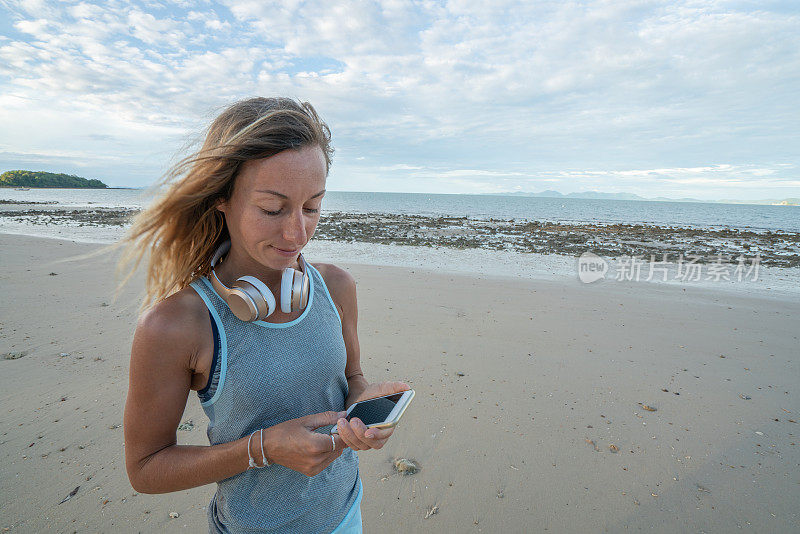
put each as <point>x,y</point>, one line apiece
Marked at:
<point>662,243</point>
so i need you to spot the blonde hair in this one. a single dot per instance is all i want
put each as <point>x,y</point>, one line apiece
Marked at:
<point>182,228</point>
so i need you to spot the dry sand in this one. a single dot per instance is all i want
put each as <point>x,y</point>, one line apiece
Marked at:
<point>553,374</point>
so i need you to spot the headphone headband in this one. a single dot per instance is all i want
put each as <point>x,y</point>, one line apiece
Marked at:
<point>222,249</point>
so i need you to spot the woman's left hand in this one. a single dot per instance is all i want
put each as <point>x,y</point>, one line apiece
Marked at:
<point>355,433</point>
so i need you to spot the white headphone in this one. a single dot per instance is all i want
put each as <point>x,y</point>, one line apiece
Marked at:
<point>251,300</point>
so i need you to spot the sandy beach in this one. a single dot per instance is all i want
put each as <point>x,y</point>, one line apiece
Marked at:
<point>531,410</point>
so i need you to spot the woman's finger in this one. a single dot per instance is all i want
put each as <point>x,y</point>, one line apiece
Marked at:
<point>336,445</point>
<point>327,459</point>
<point>345,442</point>
<point>349,436</point>
<point>379,437</point>
<point>359,428</point>
<point>333,455</point>
<point>378,433</point>
<point>340,443</point>
<point>388,388</point>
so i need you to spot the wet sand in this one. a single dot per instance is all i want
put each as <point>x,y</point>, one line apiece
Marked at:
<point>523,385</point>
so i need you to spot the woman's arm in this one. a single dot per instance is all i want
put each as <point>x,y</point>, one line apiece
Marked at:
<point>342,287</point>
<point>164,345</point>
<point>160,379</point>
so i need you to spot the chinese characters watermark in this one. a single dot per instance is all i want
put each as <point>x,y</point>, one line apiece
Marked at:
<point>683,268</point>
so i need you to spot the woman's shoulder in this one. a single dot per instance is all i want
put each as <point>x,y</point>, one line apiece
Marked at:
<point>169,345</point>
<point>179,318</point>
<point>340,283</point>
<point>336,278</point>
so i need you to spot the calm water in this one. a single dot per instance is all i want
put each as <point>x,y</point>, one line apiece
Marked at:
<point>697,214</point>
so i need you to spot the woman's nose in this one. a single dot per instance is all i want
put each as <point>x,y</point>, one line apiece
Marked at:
<point>294,230</point>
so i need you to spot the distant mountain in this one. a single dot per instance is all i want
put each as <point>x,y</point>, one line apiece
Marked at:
<point>548,193</point>
<point>47,179</point>
<point>597,195</point>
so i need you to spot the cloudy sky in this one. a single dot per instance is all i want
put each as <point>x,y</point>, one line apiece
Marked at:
<point>673,98</point>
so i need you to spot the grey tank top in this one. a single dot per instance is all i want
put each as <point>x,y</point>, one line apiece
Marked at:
<point>268,373</point>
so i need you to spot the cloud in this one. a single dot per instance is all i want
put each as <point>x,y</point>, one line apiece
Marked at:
<point>471,91</point>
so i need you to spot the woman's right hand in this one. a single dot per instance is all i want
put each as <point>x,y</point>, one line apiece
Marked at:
<point>295,445</point>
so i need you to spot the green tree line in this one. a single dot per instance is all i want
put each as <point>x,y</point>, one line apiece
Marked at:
<point>47,179</point>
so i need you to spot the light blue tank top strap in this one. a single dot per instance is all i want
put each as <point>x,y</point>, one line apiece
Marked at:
<point>268,373</point>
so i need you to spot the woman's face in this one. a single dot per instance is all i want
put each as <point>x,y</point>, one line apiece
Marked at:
<point>275,205</point>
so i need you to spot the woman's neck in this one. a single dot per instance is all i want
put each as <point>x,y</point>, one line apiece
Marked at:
<point>231,267</point>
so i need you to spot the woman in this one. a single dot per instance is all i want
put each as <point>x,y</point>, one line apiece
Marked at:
<point>252,195</point>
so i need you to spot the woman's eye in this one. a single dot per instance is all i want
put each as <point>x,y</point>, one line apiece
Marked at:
<point>309,210</point>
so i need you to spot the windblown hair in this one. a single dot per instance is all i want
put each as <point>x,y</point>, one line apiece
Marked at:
<point>182,228</point>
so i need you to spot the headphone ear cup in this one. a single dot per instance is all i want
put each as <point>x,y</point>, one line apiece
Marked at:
<point>294,290</point>
<point>300,290</point>
<point>260,293</point>
<point>242,304</point>
<point>287,281</point>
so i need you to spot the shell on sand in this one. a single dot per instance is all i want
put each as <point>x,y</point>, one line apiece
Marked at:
<point>405,466</point>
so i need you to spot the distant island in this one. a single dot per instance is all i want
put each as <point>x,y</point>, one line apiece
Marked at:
<point>47,179</point>
<point>597,195</point>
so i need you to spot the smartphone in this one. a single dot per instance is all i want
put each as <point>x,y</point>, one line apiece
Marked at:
<point>380,412</point>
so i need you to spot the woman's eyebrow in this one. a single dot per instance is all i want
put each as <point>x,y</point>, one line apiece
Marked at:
<point>271,192</point>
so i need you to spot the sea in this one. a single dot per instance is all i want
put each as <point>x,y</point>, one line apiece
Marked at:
<point>475,262</point>
<point>518,208</point>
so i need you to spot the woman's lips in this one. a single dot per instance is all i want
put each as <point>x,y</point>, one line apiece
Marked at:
<point>286,252</point>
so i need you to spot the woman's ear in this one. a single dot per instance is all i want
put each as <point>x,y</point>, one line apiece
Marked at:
<point>221,205</point>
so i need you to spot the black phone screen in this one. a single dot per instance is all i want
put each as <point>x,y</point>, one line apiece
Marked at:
<point>374,411</point>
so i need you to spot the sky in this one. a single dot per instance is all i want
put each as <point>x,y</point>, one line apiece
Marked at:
<point>677,98</point>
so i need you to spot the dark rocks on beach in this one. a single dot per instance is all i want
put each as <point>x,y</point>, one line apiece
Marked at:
<point>709,245</point>
<point>87,217</point>
<point>780,249</point>
<point>16,202</point>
